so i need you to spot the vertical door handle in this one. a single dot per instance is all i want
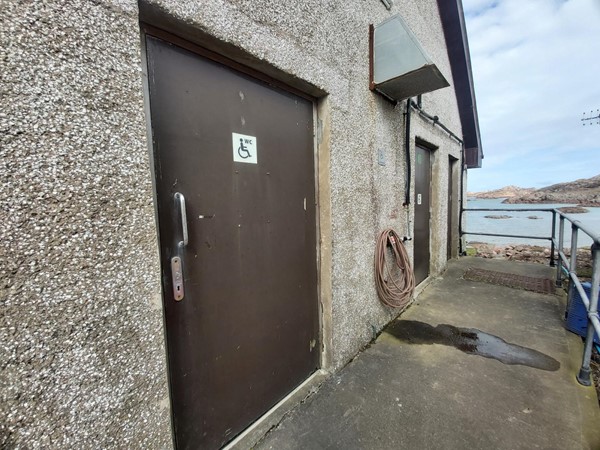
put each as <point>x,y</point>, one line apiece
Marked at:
<point>176,261</point>
<point>181,199</point>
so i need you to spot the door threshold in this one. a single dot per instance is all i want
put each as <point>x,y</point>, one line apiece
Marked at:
<point>255,432</point>
<point>422,285</point>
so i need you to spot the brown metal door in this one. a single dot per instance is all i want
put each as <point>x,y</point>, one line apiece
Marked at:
<point>246,331</point>
<point>422,213</point>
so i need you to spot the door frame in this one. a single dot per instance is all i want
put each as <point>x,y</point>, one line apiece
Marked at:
<point>431,148</point>
<point>453,210</point>
<point>321,148</point>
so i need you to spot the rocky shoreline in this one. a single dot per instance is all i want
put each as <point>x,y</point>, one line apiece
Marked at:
<point>530,253</point>
<point>580,202</point>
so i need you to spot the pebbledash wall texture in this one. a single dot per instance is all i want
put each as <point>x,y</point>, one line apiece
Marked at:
<point>82,350</point>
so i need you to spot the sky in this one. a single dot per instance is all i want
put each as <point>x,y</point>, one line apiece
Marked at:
<point>536,69</point>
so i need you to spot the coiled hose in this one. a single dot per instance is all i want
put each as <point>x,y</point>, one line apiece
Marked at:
<point>395,280</point>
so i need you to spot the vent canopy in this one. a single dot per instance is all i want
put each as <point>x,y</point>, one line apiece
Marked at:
<point>400,67</point>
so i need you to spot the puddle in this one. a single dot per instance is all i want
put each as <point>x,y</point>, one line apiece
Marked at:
<point>471,341</point>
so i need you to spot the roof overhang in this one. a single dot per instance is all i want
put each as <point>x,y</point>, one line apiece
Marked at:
<point>455,32</point>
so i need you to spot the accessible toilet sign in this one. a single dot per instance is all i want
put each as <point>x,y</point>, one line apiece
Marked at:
<point>244,148</point>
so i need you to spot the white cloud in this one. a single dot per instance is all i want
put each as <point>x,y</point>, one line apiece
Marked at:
<point>536,66</point>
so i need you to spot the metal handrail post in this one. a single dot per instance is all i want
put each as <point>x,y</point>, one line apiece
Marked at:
<point>561,234</point>
<point>553,239</point>
<point>584,373</point>
<point>572,263</point>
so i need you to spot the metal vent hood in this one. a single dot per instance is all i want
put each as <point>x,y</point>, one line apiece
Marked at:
<point>399,67</point>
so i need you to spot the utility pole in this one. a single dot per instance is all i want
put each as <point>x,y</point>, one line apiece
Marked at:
<point>590,119</point>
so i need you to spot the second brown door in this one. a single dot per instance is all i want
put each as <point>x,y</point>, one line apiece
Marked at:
<point>422,213</point>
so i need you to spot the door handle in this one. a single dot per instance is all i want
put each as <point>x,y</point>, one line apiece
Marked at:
<point>177,261</point>
<point>181,200</point>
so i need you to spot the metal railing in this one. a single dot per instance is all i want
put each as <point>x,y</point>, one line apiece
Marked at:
<point>550,238</point>
<point>568,265</point>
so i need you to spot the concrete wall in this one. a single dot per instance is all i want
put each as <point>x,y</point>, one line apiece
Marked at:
<point>83,358</point>
<point>82,355</point>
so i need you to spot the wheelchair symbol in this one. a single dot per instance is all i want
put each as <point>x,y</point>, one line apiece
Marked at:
<point>243,151</point>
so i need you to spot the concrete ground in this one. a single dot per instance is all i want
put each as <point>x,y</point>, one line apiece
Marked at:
<point>421,395</point>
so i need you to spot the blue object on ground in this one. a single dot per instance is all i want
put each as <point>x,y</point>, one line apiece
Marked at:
<point>577,320</point>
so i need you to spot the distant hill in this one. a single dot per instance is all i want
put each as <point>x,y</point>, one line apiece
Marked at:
<point>505,192</point>
<point>584,192</point>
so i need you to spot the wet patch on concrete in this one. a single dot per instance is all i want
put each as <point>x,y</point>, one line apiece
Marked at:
<point>534,284</point>
<point>471,341</point>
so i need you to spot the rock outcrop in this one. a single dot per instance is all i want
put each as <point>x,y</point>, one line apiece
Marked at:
<point>494,216</point>
<point>573,210</point>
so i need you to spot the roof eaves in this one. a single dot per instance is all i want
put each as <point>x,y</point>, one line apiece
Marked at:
<point>455,33</point>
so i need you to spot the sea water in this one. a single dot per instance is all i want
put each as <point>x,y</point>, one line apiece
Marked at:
<point>520,223</point>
